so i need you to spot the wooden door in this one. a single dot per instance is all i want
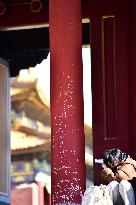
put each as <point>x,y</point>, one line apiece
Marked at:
<point>109,81</point>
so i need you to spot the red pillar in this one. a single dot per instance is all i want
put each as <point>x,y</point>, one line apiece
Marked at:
<point>67,121</point>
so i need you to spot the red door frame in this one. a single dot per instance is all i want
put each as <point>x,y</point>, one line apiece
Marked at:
<point>109,80</point>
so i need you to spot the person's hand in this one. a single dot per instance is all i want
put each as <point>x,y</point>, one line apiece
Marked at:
<point>106,171</point>
<point>104,166</point>
<point>110,176</point>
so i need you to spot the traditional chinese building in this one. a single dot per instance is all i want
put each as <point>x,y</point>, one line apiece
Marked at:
<point>30,144</point>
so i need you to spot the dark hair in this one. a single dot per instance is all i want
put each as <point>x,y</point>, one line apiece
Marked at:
<point>114,154</point>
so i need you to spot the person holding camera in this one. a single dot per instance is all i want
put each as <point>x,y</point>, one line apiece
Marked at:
<point>118,171</point>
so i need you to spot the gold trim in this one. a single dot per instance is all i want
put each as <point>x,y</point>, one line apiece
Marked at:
<point>23,26</point>
<point>86,20</point>
<point>103,73</point>
<point>110,16</point>
<point>18,4</point>
<point>3,8</point>
<point>86,46</point>
<point>39,8</point>
<point>21,173</point>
